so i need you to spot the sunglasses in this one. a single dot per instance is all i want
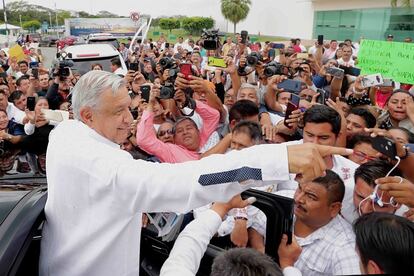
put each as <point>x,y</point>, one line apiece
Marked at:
<point>163,132</point>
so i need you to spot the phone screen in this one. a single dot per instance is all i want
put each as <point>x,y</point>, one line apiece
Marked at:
<point>320,39</point>
<point>31,101</point>
<point>145,92</point>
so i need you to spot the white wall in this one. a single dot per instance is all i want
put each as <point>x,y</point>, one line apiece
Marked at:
<point>325,5</point>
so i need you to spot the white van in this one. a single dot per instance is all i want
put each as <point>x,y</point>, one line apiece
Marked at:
<point>103,38</point>
<point>85,55</point>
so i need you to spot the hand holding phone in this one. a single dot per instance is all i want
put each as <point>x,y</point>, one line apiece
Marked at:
<point>145,92</point>
<point>293,105</point>
<point>186,70</point>
<point>372,80</point>
<point>290,86</point>
<point>385,146</point>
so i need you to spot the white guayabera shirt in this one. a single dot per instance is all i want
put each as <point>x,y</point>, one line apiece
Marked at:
<point>97,193</point>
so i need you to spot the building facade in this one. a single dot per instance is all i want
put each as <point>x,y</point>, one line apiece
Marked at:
<point>335,19</point>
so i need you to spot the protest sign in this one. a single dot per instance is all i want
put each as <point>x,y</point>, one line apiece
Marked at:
<point>393,60</point>
<point>16,52</point>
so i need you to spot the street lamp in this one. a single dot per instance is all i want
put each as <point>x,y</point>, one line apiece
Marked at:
<point>20,18</point>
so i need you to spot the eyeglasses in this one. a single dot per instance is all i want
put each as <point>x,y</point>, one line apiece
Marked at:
<point>163,132</point>
<point>362,156</point>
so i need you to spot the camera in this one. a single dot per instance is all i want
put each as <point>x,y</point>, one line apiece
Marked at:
<point>167,63</point>
<point>273,68</point>
<point>253,59</point>
<point>167,91</point>
<point>211,39</point>
<point>63,66</point>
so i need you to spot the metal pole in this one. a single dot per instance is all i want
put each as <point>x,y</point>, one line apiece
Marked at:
<point>57,23</point>
<point>20,18</point>
<point>50,20</point>
<point>5,21</point>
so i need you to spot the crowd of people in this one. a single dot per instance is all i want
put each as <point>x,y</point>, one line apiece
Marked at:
<point>360,211</point>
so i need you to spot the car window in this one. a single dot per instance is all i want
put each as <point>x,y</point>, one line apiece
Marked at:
<point>113,42</point>
<point>84,65</point>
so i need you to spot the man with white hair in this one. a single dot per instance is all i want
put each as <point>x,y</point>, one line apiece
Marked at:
<point>97,192</point>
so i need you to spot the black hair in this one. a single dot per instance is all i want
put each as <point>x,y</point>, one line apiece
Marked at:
<point>23,62</point>
<point>319,114</point>
<point>399,91</point>
<point>370,120</point>
<point>15,95</point>
<point>242,109</point>
<point>252,129</point>
<point>19,80</point>
<point>182,119</point>
<point>116,61</point>
<point>358,139</point>
<point>409,134</point>
<point>333,184</point>
<point>373,170</point>
<point>244,261</point>
<point>386,239</point>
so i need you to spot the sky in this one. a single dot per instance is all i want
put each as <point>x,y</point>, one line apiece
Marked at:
<point>124,7</point>
<point>267,17</point>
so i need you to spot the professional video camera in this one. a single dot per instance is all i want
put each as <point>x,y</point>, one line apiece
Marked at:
<point>211,39</point>
<point>63,65</point>
<point>253,59</point>
<point>274,68</point>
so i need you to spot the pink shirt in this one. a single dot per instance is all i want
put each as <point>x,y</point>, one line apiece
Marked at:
<point>172,153</point>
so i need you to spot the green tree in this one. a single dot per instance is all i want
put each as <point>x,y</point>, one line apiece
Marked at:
<point>404,3</point>
<point>235,10</point>
<point>169,24</point>
<point>194,25</point>
<point>32,25</point>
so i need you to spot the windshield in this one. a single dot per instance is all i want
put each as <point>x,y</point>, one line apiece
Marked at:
<point>85,65</point>
<point>113,42</point>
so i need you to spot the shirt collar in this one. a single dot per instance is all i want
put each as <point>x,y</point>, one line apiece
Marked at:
<point>95,135</point>
<point>317,235</point>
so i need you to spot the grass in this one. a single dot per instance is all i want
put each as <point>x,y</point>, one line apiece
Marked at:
<point>155,33</point>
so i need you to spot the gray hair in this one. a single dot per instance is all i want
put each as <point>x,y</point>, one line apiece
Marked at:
<point>250,86</point>
<point>89,88</point>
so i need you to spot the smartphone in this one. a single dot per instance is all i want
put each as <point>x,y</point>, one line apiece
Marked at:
<point>145,92</point>
<point>320,39</point>
<point>302,55</point>
<point>151,46</point>
<point>293,105</point>
<point>35,73</point>
<point>31,102</point>
<point>167,45</point>
<point>385,146</point>
<point>322,96</point>
<point>216,62</point>
<point>291,86</point>
<point>352,71</point>
<point>244,35</point>
<point>186,70</point>
<point>388,83</point>
<point>133,66</point>
<point>372,80</point>
<point>335,72</point>
<point>278,46</point>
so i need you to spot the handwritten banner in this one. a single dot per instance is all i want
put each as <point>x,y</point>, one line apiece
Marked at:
<point>393,60</point>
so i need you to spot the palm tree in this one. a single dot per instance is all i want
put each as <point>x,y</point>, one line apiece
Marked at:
<point>235,10</point>
<point>404,3</point>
